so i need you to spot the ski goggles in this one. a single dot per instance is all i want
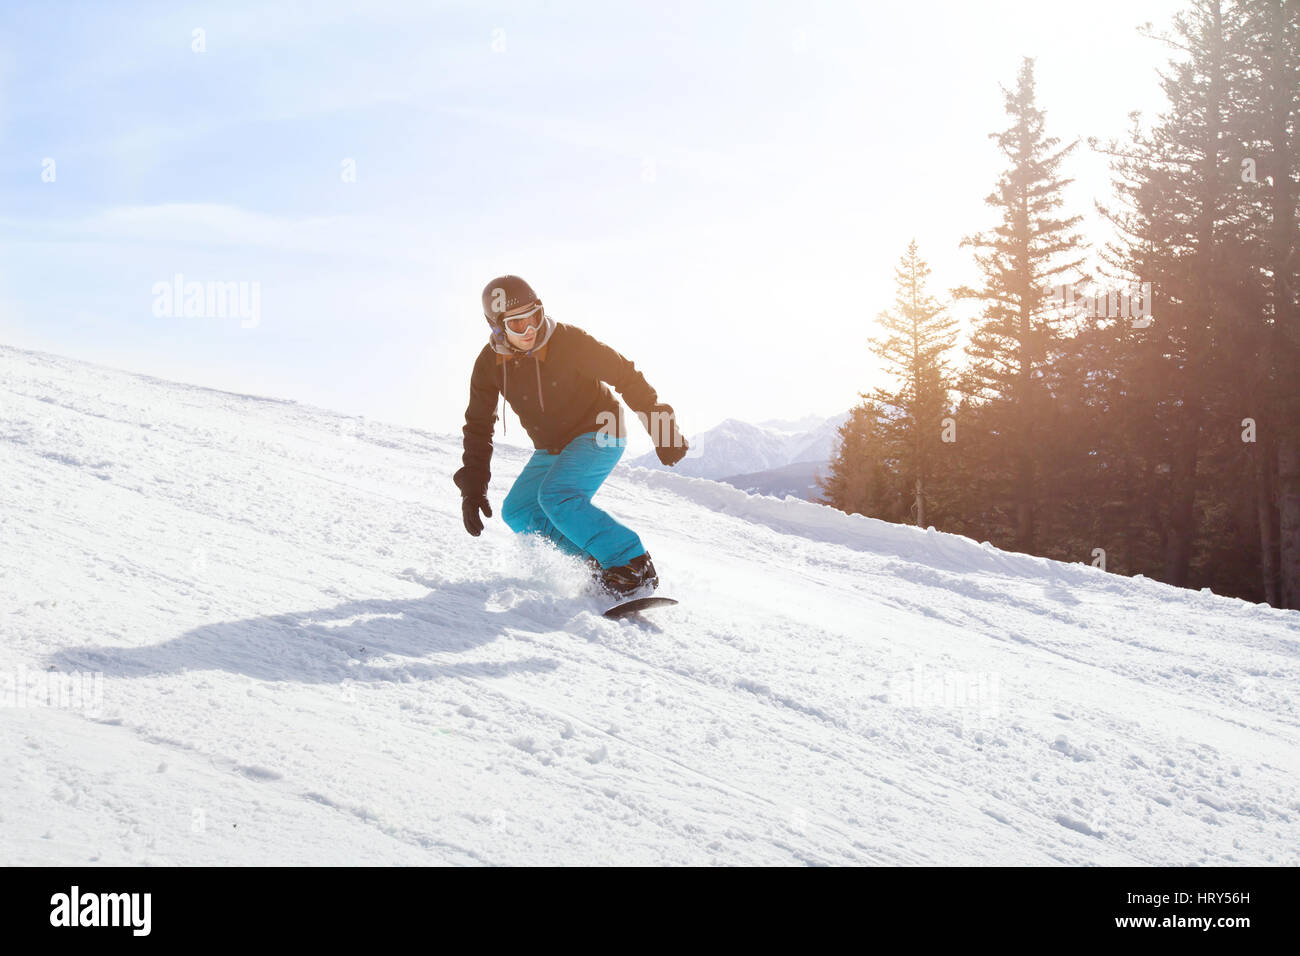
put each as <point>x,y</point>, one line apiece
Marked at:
<point>524,322</point>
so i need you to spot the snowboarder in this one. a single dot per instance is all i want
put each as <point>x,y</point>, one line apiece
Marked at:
<point>576,426</point>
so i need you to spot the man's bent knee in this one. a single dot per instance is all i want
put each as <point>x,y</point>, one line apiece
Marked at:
<point>518,512</point>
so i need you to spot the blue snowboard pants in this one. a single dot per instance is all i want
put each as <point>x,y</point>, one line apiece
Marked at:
<point>552,496</point>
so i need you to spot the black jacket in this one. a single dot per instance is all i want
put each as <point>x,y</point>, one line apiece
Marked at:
<point>571,369</point>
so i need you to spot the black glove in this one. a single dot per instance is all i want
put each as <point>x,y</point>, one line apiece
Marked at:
<point>470,506</point>
<point>672,454</point>
<point>670,446</point>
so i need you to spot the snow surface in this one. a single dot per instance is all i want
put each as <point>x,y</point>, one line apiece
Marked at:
<point>305,659</point>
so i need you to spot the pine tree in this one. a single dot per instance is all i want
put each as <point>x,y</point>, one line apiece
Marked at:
<point>1127,360</point>
<point>862,477</point>
<point>1030,250</point>
<point>919,334</point>
<point>1194,154</point>
<point>1267,129</point>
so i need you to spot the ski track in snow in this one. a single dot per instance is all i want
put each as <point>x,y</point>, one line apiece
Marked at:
<point>306,660</point>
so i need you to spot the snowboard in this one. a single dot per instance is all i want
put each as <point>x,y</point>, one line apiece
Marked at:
<point>636,605</point>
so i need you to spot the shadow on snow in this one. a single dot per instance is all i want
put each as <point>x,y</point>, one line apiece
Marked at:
<point>366,640</point>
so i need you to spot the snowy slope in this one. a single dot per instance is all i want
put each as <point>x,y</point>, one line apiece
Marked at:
<point>305,659</point>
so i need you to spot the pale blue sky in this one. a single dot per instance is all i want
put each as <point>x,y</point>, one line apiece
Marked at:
<point>720,191</point>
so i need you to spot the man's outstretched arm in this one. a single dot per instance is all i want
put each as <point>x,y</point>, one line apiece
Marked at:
<point>658,418</point>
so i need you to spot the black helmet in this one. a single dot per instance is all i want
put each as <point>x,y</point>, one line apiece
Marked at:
<point>505,294</point>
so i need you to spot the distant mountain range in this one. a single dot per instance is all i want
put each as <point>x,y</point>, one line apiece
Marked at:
<point>774,457</point>
<point>799,480</point>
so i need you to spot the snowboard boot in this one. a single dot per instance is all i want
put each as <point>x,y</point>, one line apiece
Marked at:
<point>625,580</point>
